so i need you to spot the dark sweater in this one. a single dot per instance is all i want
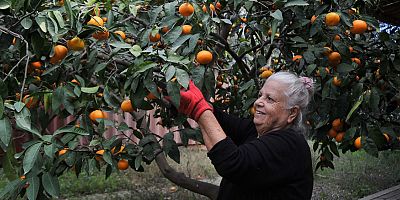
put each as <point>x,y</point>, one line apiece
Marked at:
<point>276,165</point>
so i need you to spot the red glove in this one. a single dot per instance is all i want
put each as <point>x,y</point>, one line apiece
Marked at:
<point>192,102</point>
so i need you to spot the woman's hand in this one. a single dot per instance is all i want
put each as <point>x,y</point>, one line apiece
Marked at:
<point>192,102</point>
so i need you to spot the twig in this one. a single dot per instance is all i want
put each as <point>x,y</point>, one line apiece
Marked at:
<point>242,66</point>
<point>12,69</point>
<point>5,30</point>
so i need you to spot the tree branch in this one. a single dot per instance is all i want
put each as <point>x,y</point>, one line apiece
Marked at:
<point>5,30</point>
<point>207,189</point>
<point>242,66</point>
<point>118,61</point>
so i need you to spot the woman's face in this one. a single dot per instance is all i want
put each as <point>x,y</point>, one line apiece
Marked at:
<point>271,112</point>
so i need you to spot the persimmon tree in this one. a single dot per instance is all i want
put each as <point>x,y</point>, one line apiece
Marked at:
<point>86,60</point>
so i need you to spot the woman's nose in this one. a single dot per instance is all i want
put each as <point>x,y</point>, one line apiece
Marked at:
<point>258,103</point>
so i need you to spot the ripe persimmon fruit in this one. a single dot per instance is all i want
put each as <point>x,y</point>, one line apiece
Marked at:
<point>76,44</point>
<point>60,52</point>
<point>123,164</point>
<point>332,133</point>
<point>356,60</point>
<point>95,21</point>
<point>357,143</point>
<point>62,151</point>
<point>204,57</point>
<point>297,58</point>
<point>97,114</point>
<point>339,137</point>
<point>212,7</point>
<point>186,9</point>
<point>332,19</point>
<point>359,27</point>
<point>186,29</point>
<point>313,18</point>
<point>121,33</point>
<point>154,38</point>
<point>126,106</point>
<point>336,81</point>
<point>101,35</point>
<point>334,58</point>
<point>265,74</point>
<point>36,64</point>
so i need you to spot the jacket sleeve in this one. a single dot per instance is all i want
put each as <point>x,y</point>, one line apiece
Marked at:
<point>237,129</point>
<point>260,162</point>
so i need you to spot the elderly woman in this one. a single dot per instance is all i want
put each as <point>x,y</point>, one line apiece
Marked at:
<point>264,158</point>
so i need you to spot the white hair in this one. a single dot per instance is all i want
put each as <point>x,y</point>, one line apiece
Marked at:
<point>299,93</point>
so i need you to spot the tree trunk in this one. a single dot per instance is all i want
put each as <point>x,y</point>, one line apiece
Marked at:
<point>179,178</point>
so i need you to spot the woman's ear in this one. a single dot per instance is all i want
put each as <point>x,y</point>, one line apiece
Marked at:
<point>293,114</point>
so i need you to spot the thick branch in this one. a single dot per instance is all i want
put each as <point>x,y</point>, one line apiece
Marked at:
<point>271,47</point>
<point>118,61</point>
<point>203,188</point>
<point>242,66</point>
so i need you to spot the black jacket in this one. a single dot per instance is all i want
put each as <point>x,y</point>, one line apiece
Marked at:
<point>276,165</point>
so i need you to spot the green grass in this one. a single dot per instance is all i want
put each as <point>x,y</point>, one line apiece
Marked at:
<point>356,175</point>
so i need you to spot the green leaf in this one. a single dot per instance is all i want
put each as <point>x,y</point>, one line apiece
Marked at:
<point>374,99</point>
<point>333,148</point>
<point>154,14</point>
<point>70,13</point>
<point>23,119</point>
<point>183,77</point>
<point>10,191</point>
<point>109,98</point>
<point>180,41</point>
<point>71,129</point>
<point>355,106</point>
<point>136,50</point>
<point>227,21</point>
<point>19,106</point>
<point>170,73</point>
<point>277,15</point>
<point>143,67</point>
<point>310,69</point>
<point>296,3</point>
<point>247,85</point>
<point>57,14</point>
<point>57,98</point>
<point>370,147</point>
<point>4,4</point>
<point>138,162</point>
<point>41,21</point>
<point>344,68</point>
<point>33,189</point>
<point>107,157</point>
<point>50,26</point>
<point>133,9</point>
<point>50,184</point>
<point>90,90</point>
<point>50,150</point>
<point>170,147</point>
<point>173,34</point>
<point>26,23</point>
<point>100,67</point>
<point>9,167</point>
<point>3,89</point>
<point>173,89</point>
<point>121,45</point>
<point>5,131</point>
<point>30,156</point>
<point>192,44</point>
